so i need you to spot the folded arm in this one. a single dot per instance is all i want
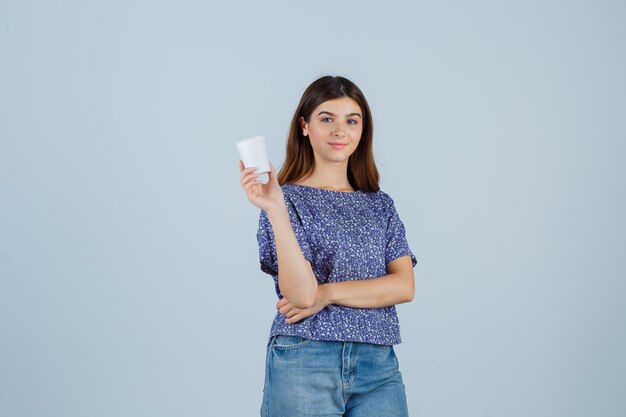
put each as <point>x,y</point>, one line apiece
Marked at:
<point>397,287</point>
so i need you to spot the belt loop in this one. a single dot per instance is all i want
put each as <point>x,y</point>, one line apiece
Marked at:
<point>271,341</point>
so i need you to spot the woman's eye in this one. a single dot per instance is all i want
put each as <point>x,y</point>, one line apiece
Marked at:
<point>352,122</point>
<point>326,118</point>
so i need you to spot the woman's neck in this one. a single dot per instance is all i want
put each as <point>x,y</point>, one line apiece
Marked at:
<point>332,176</point>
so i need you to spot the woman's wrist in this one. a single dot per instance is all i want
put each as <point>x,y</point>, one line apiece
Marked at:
<point>278,210</point>
<point>324,293</point>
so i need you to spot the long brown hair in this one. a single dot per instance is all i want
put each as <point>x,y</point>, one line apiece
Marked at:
<point>299,158</point>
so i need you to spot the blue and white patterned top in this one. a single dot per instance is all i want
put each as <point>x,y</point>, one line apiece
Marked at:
<point>346,236</point>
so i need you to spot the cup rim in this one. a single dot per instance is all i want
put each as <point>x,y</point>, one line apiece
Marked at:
<point>250,138</point>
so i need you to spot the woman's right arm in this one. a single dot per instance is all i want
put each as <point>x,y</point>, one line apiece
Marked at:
<point>296,279</point>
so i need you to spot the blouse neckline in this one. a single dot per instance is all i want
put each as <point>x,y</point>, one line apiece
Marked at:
<point>323,189</point>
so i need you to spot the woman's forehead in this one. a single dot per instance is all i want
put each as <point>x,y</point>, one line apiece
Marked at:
<point>341,106</point>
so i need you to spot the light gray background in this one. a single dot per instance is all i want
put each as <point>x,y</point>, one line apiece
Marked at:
<point>130,282</point>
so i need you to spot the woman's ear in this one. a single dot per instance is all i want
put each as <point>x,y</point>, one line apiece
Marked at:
<point>303,125</point>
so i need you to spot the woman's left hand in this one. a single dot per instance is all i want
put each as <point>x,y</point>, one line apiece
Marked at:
<point>294,315</point>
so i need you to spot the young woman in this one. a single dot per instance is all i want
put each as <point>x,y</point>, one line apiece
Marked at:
<point>336,248</point>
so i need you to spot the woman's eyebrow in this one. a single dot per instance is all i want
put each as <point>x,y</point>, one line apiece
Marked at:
<point>333,114</point>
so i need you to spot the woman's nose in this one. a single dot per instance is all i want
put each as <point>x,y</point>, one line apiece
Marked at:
<point>339,131</point>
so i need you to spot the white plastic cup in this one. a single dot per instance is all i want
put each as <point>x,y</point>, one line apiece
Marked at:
<point>253,153</point>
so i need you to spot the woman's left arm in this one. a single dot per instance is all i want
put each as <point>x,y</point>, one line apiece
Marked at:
<point>397,287</point>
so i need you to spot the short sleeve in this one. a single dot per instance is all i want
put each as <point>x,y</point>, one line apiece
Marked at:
<point>267,246</point>
<point>395,237</point>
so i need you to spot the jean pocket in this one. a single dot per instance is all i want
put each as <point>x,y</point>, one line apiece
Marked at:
<point>284,342</point>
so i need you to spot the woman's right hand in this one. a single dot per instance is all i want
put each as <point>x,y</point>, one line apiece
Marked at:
<point>268,196</point>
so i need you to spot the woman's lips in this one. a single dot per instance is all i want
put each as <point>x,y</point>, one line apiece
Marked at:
<point>337,145</point>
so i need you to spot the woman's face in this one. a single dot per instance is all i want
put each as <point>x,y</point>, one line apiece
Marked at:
<point>332,124</point>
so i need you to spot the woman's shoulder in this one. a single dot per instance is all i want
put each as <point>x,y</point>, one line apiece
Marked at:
<point>385,197</point>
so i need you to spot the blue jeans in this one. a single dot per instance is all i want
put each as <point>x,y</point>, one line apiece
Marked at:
<point>306,377</point>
